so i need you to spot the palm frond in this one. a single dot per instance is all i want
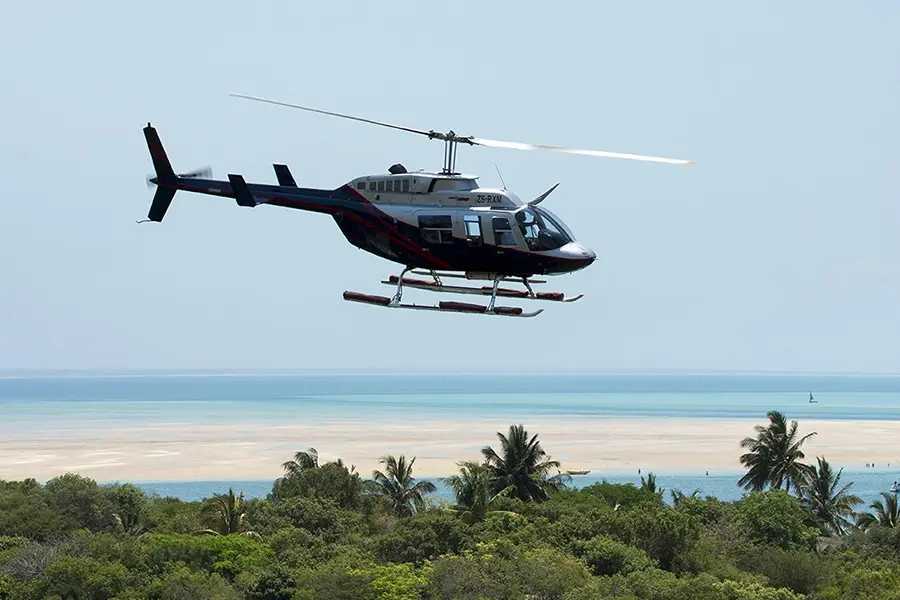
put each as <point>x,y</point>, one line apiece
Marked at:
<point>774,456</point>
<point>397,485</point>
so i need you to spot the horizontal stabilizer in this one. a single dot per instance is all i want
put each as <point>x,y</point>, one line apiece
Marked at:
<point>284,176</point>
<point>241,192</point>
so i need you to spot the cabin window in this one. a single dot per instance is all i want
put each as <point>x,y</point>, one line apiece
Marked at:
<point>436,229</point>
<point>473,227</point>
<point>503,235</point>
<point>371,186</point>
<point>381,186</point>
<point>389,185</point>
<point>405,184</point>
<point>452,184</point>
<point>361,185</point>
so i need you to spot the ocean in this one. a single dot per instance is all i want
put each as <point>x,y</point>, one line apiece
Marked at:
<point>34,405</point>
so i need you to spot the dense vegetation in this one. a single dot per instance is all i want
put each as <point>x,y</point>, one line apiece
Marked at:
<point>516,531</point>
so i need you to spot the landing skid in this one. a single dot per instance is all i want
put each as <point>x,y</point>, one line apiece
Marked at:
<point>457,307</point>
<point>437,286</point>
<point>452,275</point>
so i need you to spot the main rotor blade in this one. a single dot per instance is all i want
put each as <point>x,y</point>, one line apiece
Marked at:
<point>334,114</point>
<point>521,146</point>
<point>471,139</point>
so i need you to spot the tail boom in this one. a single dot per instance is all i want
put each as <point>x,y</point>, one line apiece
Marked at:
<point>245,194</point>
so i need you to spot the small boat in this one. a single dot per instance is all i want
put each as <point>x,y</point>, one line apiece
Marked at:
<point>584,472</point>
<point>812,400</point>
<point>895,489</point>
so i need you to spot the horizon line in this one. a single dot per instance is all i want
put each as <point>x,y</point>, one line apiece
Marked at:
<point>369,372</point>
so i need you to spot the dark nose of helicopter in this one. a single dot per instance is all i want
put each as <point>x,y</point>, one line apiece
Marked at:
<point>588,254</point>
<point>576,256</point>
<point>578,250</point>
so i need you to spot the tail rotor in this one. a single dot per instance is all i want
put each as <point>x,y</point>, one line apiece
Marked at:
<point>165,179</point>
<point>201,173</point>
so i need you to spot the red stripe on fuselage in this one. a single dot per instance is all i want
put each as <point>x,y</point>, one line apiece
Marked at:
<point>398,235</point>
<point>390,229</point>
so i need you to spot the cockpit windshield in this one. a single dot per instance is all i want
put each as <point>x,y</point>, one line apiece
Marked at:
<point>542,229</point>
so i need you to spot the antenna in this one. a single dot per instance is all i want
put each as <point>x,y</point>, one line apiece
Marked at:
<point>500,176</point>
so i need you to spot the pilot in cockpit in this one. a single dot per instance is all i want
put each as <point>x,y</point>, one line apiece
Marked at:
<point>528,226</point>
<point>539,231</point>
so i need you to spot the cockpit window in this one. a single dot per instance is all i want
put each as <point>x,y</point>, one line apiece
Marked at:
<point>542,231</point>
<point>557,221</point>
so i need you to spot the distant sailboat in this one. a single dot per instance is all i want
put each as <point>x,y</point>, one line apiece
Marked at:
<point>812,400</point>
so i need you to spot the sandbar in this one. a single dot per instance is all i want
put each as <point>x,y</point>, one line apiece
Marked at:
<point>197,452</point>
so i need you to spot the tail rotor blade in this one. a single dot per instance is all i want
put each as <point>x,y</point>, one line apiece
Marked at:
<point>202,173</point>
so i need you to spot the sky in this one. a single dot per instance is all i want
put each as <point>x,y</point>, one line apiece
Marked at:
<point>777,250</point>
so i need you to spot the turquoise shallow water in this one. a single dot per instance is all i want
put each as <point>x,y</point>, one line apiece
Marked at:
<point>27,403</point>
<point>866,484</point>
<point>31,406</point>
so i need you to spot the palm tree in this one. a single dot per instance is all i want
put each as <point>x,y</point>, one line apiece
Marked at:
<point>225,515</point>
<point>474,493</point>
<point>832,507</point>
<point>649,484</point>
<point>524,465</point>
<point>128,508</point>
<point>303,460</point>
<point>678,495</point>
<point>884,512</point>
<point>129,522</point>
<point>396,485</point>
<point>774,455</point>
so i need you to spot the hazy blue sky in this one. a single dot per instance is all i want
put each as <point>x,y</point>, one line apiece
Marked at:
<point>777,250</point>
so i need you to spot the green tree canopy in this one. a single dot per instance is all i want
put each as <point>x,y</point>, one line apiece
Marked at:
<point>523,465</point>
<point>774,455</point>
<point>833,506</point>
<point>399,488</point>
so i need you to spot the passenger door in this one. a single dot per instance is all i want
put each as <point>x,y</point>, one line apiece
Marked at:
<point>504,234</point>
<point>435,227</point>
<point>472,229</point>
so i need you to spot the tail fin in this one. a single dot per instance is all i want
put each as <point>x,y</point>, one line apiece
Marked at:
<point>161,201</point>
<point>166,179</point>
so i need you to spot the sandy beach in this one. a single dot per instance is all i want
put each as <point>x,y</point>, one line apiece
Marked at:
<point>197,453</point>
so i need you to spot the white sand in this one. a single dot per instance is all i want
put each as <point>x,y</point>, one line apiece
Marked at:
<point>197,453</point>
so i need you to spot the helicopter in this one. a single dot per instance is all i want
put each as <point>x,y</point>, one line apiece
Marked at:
<point>437,225</point>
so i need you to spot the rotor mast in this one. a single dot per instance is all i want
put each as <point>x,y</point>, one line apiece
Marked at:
<point>450,140</point>
<point>450,157</point>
